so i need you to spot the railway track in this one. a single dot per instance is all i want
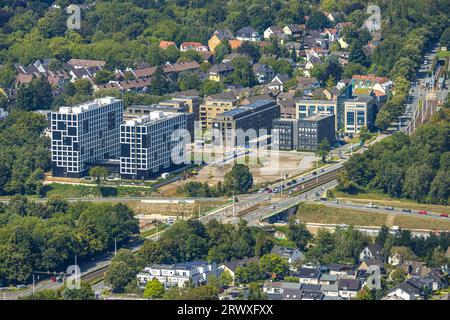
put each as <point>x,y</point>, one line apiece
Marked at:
<point>309,185</point>
<point>94,275</point>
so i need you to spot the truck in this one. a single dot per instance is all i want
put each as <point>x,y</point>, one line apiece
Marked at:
<point>165,175</point>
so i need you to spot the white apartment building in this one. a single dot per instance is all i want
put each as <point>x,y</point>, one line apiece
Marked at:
<point>152,144</point>
<point>178,274</point>
<point>85,134</point>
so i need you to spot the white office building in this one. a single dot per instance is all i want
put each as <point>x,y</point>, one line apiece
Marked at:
<point>85,134</point>
<point>179,274</point>
<point>152,144</point>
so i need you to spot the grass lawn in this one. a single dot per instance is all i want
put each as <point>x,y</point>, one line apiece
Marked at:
<point>318,213</point>
<point>78,191</point>
<point>384,200</point>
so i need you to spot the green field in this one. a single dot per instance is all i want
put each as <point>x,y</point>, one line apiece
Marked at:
<point>319,213</point>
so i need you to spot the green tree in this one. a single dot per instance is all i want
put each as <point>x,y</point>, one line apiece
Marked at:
<point>397,276</point>
<point>298,233</point>
<point>255,292</point>
<point>122,270</point>
<point>274,265</point>
<point>324,149</point>
<point>210,87</point>
<point>103,76</point>
<point>226,279</point>
<point>159,85</point>
<point>98,174</point>
<point>239,179</point>
<point>154,289</point>
<point>83,293</point>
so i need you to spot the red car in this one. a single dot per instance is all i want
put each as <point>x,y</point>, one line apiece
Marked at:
<point>444,215</point>
<point>423,212</point>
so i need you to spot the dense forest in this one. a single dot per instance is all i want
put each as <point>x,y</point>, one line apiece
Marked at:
<point>415,167</point>
<point>46,236</point>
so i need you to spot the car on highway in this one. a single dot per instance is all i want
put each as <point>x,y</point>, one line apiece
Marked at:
<point>322,170</point>
<point>21,286</point>
<point>406,210</point>
<point>53,279</point>
<point>273,207</point>
<point>443,215</point>
<point>371,205</point>
<point>389,208</point>
<point>314,173</point>
<point>423,212</point>
<point>302,179</point>
<point>294,181</point>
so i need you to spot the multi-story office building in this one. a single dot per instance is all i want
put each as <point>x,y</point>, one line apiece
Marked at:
<point>150,144</point>
<point>85,134</point>
<point>215,105</point>
<point>285,134</point>
<point>307,108</point>
<point>255,118</point>
<point>177,107</point>
<point>312,130</point>
<point>178,275</point>
<point>359,112</point>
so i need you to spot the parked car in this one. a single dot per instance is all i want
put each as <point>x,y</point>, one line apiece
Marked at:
<point>444,215</point>
<point>389,208</point>
<point>406,210</point>
<point>371,205</point>
<point>423,212</point>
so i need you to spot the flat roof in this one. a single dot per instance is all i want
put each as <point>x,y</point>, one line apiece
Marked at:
<point>317,117</point>
<point>316,101</point>
<point>154,116</point>
<point>88,106</point>
<point>247,108</point>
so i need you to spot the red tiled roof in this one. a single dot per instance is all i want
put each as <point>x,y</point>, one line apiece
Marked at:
<point>166,44</point>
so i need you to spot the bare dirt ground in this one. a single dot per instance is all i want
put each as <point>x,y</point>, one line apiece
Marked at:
<point>264,170</point>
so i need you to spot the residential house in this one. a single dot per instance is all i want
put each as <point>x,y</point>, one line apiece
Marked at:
<point>341,25</point>
<point>309,275</point>
<point>290,254</point>
<point>229,58</point>
<point>330,290</point>
<point>218,37</point>
<point>310,64</point>
<point>317,52</point>
<point>343,44</point>
<point>277,83</point>
<point>180,274</point>
<point>84,63</point>
<point>331,33</point>
<point>219,72</point>
<point>343,271</point>
<point>235,44</point>
<point>273,31</point>
<point>277,288</point>
<point>371,81</point>
<point>196,46</point>
<point>328,279</point>
<point>412,289</point>
<point>395,259</point>
<point>415,268</point>
<point>371,263</point>
<point>165,44</point>
<point>263,72</point>
<point>231,266</point>
<point>371,251</point>
<point>293,30</point>
<point>248,34</point>
<point>307,84</point>
<point>348,288</point>
<point>438,280</point>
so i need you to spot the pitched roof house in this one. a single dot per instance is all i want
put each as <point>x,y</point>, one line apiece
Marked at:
<point>248,34</point>
<point>371,251</point>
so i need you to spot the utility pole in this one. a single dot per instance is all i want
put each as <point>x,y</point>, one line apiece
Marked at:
<point>199,211</point>
<point>115,246</point>
<point>317,168</point>
<point>33,283</point>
